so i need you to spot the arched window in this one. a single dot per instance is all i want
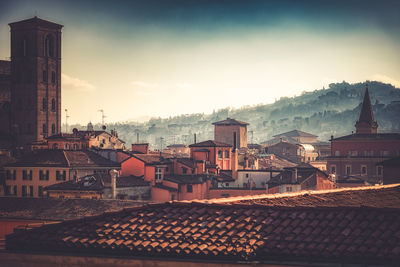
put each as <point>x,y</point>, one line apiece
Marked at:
<point>44,128</point>
<point>44,104</point>
<point>53,77</point>
<point>66,146</point>
<point>49,46</point>
<point>53,128</point>
<point>53,105</point>
<point>75,146</point>
<point>44,76</point>
<point>55,146</point>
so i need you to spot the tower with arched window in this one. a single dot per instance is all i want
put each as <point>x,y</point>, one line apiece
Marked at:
<point>35,79</point>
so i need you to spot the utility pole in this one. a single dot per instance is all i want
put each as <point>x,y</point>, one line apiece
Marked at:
<point>102,116</point>
<point>66,120</point>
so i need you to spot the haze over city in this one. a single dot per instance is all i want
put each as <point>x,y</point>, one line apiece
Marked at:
<point>163,58</point>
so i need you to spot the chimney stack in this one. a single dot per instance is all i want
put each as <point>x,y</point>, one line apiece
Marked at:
<point>195,141</point>
<point>114,174</point>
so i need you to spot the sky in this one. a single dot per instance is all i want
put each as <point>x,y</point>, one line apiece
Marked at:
<point>142,59</point>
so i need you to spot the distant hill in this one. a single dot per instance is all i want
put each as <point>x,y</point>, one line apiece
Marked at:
<point>324,112</point>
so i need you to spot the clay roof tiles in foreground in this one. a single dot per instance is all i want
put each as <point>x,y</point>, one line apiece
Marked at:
<point>231,230</point>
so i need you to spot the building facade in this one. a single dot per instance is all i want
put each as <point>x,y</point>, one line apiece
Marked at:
<point>358,154</point>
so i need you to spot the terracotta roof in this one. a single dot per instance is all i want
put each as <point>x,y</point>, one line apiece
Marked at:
<point>232,232</point>
<point>387,196</point>
<point>210,143</point>
<point>230,121</point>
<point>188,162</point>
<point>63,158</point>
<point>295,133</point>
<point>58,209</point>
<point>154,158</point>
<point>379,136</point>
<point>186,179</point>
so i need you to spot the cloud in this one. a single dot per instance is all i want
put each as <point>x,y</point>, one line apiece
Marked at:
<point>144,84</point>
<point>77,84</point>
<point>385,79</point>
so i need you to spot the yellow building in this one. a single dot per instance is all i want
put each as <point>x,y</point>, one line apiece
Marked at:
<point>30,174</point>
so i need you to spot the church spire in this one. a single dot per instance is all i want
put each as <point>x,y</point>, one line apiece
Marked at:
<point>366,124</point>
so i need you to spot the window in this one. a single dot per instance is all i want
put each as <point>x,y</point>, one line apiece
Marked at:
<point>226,184</point>
<point>49,46</point>
<point>26,175</point>
<point>66,146</point>
<point>333,169</point>
<point>348,169</point>
<point>363,169</point>
<point>24,190</point>
<point>40,191</point>
<point>44,78</point>
<point>184,170</point>
<point>385,153</point>
<point>8,190</point>
<point>337,153</point>
<point>353,153</point>
<point>44,128</point>
<point>61,175</point>
<point>75,146</point>
<point>11,175</point>
<point>220,154</point>
<point>43,175</point>
<point>55,146</point>
<point>227,154</point>
<point>44,104</point>
<point>31,191</point>
<point>288,189</point>
<point>53,128</point>
<point>53,77</point>
<point>189,188</point>
<point>158,174</point>
<point>379,170</point>
<point>193,170</point>
<point>53,105</point>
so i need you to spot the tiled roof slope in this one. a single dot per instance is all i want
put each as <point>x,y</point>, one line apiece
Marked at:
<point>230,121</point>
<point>210,143</point>
<point>63,158</point>
<point>222,232</point>
<point>58,209</point>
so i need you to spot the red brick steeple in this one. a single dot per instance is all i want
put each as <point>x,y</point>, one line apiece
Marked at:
<point>366,124</point>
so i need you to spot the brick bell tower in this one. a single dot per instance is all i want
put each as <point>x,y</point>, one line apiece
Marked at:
<point>35,80</point>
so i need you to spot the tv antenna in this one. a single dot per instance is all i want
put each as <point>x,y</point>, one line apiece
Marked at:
<point>102,116</point>
<point>66,120</point>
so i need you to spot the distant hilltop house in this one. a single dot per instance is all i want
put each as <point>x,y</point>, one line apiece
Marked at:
<point>362,155</point>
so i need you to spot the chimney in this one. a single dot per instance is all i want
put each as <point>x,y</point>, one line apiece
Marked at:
<point>234,163</point>
<point>195,141</point>
<point>114,174</point>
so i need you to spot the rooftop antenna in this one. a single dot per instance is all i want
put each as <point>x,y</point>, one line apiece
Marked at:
<point>161,143</point>
<point>66,120</point>
<point>102,116</point>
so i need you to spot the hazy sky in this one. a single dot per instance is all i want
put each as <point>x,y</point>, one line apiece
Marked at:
<point>163,58</point>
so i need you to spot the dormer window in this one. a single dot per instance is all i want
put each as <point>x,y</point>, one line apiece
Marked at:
<point>158,175</point>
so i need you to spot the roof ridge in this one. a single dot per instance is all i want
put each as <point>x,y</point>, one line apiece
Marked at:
<point>66,158</point>
<point>301,193</point>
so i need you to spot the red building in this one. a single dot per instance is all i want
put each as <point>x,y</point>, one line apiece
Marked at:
<point>357,155</point>
<point>231,131</point>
